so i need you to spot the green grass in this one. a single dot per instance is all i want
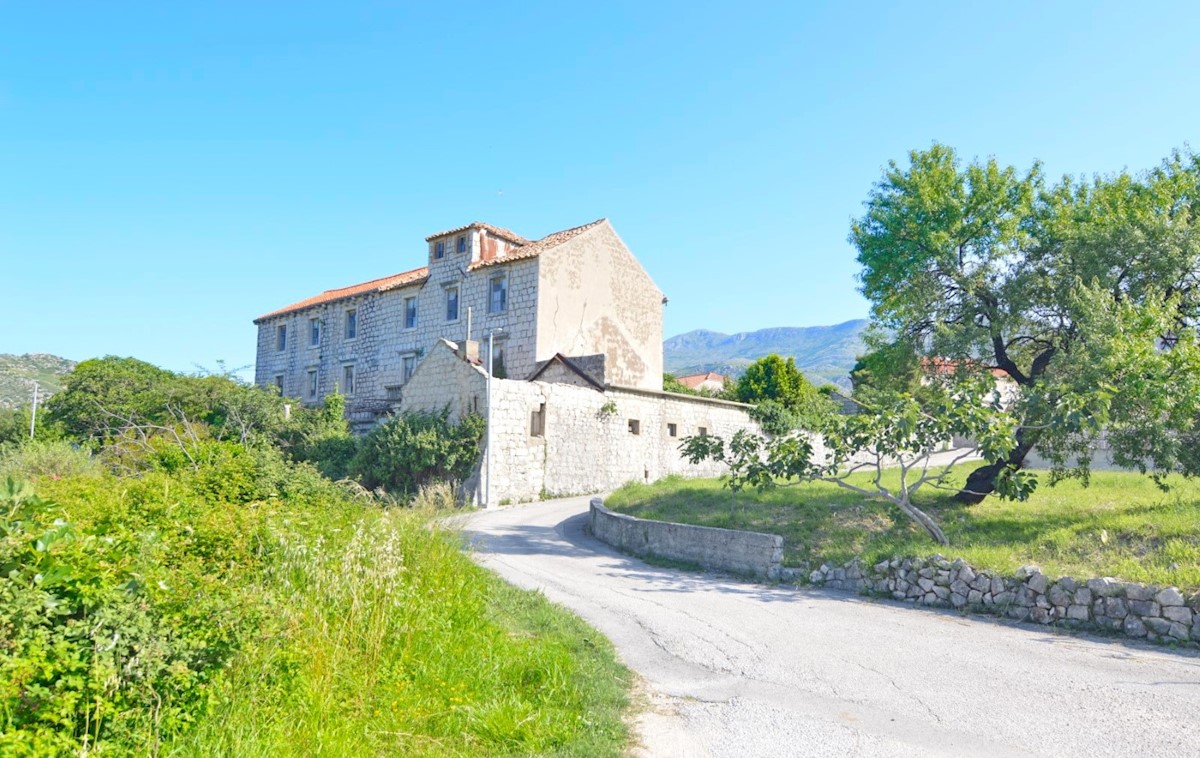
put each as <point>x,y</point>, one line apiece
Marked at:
<point>1121,526</point>
<point>306,625</point>
<point>391,642</point>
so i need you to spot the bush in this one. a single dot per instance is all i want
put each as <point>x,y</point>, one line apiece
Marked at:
<point>34,460</point>
<point>412,450</point>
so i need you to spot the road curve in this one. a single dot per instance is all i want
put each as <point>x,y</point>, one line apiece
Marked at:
<point>739,669</point>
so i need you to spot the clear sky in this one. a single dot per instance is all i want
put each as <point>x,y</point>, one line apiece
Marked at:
<point>170,171</point>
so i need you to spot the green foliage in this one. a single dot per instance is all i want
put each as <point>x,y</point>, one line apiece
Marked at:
<point>903,433</point>
<point>890,368</point>
<point>774,417</point>
<point>772,378</point>
<point>995,268</point>
<point>322,437</point>
<point>411,450</point>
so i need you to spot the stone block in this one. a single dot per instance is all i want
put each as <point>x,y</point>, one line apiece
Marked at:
<point>966,574</point>
<point>974,597</point>
<point>998,585</point>
<point>1144,608</point>
<point>1134,627</point>
<point>1169,596</point>
<point>925,583</point>
<point>960,587</point>
<point>1178,631</point>
<point>1037,582</point>
<point>1078,612</point>
<point>1068,584</point>
<point>1003,598</point>
<point>957,600</point>
<point>1058,596</point>
<point>1157,625</point>
<point>1139,592</point>
<point>1040,615</point>
<point>1177,613</point>
<point>1083,596</point>
<point>1116,607</point>
<point>1025,572</point>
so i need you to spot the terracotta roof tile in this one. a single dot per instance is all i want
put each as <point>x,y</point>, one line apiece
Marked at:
<point>695,380</point>
<point>375,285</point>
<point>499,231</point>
<point>525,249</point>
<point>538,247</point>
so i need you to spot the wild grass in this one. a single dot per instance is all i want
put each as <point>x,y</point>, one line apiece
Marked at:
<point>1121,526</point>
<point>389,641</point>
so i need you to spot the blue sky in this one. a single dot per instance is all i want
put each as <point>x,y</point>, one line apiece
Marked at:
<point>169,171</point>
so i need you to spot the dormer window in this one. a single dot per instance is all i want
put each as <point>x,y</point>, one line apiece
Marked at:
<point>462,243</point>
<point>439,249</point>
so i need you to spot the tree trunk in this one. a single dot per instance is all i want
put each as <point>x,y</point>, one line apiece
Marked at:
<point>982,481</point>
<point>923,520</point>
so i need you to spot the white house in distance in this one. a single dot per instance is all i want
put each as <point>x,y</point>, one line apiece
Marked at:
<point>577,322</point>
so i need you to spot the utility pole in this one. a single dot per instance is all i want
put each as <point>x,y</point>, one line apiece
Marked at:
<point>487,481</point>
<point>33,415</point>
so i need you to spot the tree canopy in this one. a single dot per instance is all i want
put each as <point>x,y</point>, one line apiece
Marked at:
<point>782,390</point>
<point>1083,291</point>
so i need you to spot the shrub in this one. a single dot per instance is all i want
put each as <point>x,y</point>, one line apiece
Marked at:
<point>34,460</point>
<point>412,450</point>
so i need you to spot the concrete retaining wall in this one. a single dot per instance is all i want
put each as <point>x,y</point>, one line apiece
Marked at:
<point>747,553</point>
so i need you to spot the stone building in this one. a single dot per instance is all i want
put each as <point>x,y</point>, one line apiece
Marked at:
<point>578,292</point>
<point>577,400</point>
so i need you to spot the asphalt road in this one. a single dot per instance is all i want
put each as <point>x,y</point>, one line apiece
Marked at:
<point>738,669</point>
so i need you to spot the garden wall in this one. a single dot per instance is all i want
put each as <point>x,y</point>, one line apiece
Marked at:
<point>1160,614</point>
<point>747,553</point>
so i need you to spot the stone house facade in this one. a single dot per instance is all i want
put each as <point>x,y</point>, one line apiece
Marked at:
<point>563,433</point>
<point>576,395</point>
<point>578,292</point>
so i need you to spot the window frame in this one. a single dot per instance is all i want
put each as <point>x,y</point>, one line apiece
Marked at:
<point>314,384</point>
<point>460,245</point>
<point>348,379</point>
<point>413,324</point>
<point>314,332</point>
<point>439,249</point>
<point>502,280</point>
<point>406,373</point>
<point>280,338</point>
<point>351,331</point>
<point>455,289</point>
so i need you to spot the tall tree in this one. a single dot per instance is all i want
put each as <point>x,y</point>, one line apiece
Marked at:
<point>992,268</point>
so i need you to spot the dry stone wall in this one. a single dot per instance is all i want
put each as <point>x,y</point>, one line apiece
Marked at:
<point>1159,614</point>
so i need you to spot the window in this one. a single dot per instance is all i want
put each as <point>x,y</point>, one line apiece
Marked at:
<point>410,312</point>
<point>351,323</point>
<point>635,426</point>
<point>672,430</point>
<point>537,422</point>
<point>408,366</point>
<point>281,337</point>
<point>452,303</point>
<point>439,250</point>
<point>347,380</point>
<point>314,332</point>
<point>312,384</point>
<point>279,383</point>
<point>498,294</point>
<point>702,431</point>
<point>462,243</point>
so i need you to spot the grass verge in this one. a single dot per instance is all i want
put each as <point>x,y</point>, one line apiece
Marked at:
<point>389,641</point>
<point>1122,525</point>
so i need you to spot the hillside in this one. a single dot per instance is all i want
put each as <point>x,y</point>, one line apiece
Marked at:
<point>19,372</point>
<point>824,353</point>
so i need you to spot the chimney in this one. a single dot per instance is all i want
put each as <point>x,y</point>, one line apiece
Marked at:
<point>469,350</point>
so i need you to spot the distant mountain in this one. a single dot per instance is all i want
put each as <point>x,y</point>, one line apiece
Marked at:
<point>19,372</point>
<point>824,353</point>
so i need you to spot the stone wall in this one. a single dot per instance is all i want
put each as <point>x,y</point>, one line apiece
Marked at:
<point>596,298</point>
<point>747,553</point>
<point>560,439</point>
<point>1160,614</point>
